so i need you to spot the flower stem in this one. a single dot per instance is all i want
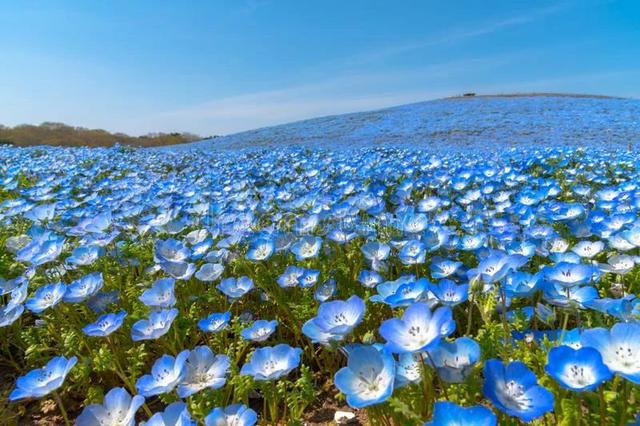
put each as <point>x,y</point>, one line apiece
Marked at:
<point>58,400</point>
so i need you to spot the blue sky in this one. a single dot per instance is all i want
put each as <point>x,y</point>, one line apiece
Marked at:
<point>217,67</point>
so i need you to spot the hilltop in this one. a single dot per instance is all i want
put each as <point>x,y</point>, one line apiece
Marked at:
<point>509,119</point>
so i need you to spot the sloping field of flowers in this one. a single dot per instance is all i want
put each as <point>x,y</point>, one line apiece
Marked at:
<point>189,287</point>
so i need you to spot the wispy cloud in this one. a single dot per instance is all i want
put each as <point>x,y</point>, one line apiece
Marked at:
<point>457,35</point>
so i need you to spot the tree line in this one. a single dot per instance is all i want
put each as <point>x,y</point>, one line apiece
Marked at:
<point>61,134</point>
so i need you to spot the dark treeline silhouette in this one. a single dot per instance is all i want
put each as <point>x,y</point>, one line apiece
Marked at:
<point>60,134</point>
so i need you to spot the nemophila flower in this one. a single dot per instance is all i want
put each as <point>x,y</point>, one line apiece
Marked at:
<point>83,288</point>
<point>83,256</point>
<point>335,320</point>
<point>290,277</point>
<point>41,381</point>
<point>209,272</point>
<point>156,326</point>
<point>306,247</point>
<point>588,249</point>
<point>45,297</point>
<point>495,266</point>
<point>118,408</point>
<point>401,292</point>
<point>341,236</point>
<point>105,324</point>
<point>577,369</point>
<point>233,415</point>
<point>472,242</point>
<point>261,249</point>
<point>272,362</point>
<point>619,347</point>
<point>570,274</point>
<point>235,287</point>
<point>41,213</point>
<point>375,251</point>
<point>576,296</point>
<point>44,247</point>
<point>449,293</point>
<point>408,369</point>
<point>9,314</point>
<point>204,369</point>
<point>176,414</point>
<point>412,253</point>
<point>418,330</point>
<point>178,270</point>
<point>215,322</point>
<point>521,284</point>
<point>369,279</point>
<point>442,268</point>
<point>198,250</point>
<point>455,360</point>
<point>165,375</point>
<point>170,250</point>
<point>259,331</point>
<point>161,294</point>
<point>447,413</point>
<point>326,290</point>
<point>368,378</point>
<point>514,390</point>
<point>309,278</point>
<point>619,264</point>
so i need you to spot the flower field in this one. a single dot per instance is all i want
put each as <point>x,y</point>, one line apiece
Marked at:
<point>401,285</point>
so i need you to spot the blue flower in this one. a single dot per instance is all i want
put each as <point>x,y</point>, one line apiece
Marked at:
<point>402,292</point>
<point>335,320</point>
<point>619,347</point>
<point>43,248</point>
<point>261,249</point>
<point>442,268</point>
<point>259,331</point>
<point>204,369</point>
<point>233,415</point>
<point>369,279</point>
<point>45,297</point>
<point>170,250</point>
<point>209,272</point>
<point>326,290</point>
<point>418,329</point>
<point>412,253</point>
<point>176,414</point>
<point>307,247</point>
<point>117,408</point>
<point>165,375</point>
<point>577,369</point>
<point>83,288</point>
<point>84,255</point>
<point>102,299</point>
<point>368,377</point>
<point>514,390</point>
<point>41,381</point>
<point>235,287</point>
<point>161,294</point>
<point>495,266</point>
<point>570,274</point>
<point>156,326</point>
<point>577,296</point>
<point>270,363</point>
<point>215,322</point>
<point>375,251</point>
<point>447,413</point>
<point>105,324</point>
<point>455,360</point>
<point>291,276</point>
<point>449,293</point>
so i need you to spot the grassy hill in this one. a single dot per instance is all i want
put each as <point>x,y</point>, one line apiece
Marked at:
<point>459,122</point>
